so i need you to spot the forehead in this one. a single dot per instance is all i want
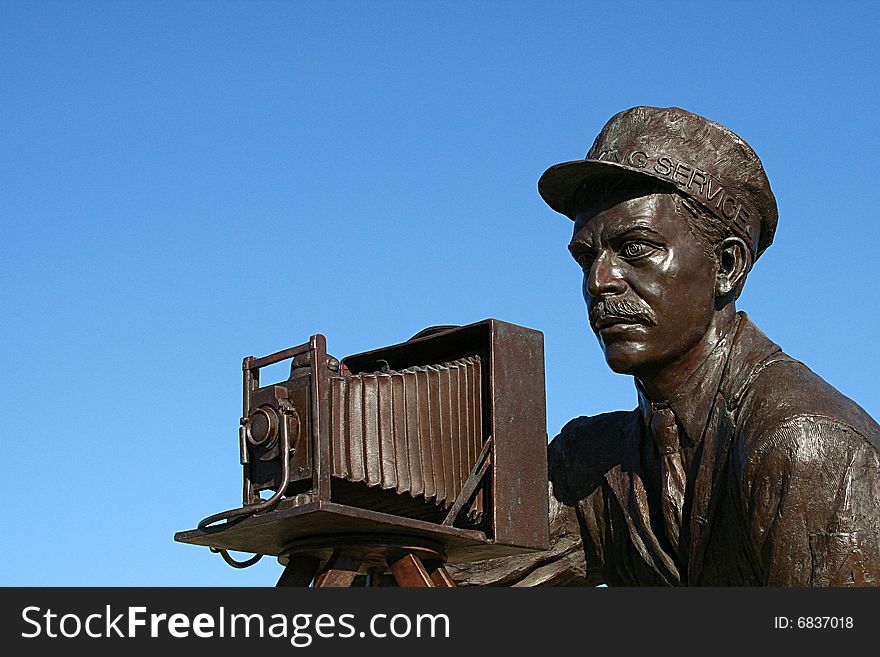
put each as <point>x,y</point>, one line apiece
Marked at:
<point>603,219</point>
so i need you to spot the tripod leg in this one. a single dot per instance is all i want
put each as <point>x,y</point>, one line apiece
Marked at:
<point>439,575</point>
<point>375,577</point>
<point>299,571</point>
<point>409,570</point>
<point>340,571</point>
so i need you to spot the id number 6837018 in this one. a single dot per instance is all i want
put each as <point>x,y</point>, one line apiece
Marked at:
<point>813,623</point>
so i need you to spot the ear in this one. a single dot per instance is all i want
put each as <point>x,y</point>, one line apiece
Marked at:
<point>734,262</point>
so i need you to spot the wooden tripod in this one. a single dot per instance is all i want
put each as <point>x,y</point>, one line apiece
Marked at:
<point>364,561</point>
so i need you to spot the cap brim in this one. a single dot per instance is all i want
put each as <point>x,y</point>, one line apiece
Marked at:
<point>559,184</point>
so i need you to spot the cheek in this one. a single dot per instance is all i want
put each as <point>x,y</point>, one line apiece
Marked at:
<point>686,280</point>
<point>686,322</point>
<point>684,303</point>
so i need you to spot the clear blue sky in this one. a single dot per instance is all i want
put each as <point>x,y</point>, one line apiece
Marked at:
<point>186,183</point>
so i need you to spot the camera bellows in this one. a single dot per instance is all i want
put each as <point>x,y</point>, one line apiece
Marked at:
<point>416,430</point>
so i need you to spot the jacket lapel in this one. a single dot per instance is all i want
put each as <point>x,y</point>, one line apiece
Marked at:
<point>714,447</point>
<point>750,352</point>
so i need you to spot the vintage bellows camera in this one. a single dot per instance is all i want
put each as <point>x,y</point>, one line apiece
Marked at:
<point>435,447</point>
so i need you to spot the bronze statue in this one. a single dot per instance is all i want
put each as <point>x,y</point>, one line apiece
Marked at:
<point>739,466</point>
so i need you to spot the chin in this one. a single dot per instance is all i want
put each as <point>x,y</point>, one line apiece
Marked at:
<point>625,359</point>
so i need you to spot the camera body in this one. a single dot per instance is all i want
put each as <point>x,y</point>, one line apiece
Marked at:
<point>442,438</point>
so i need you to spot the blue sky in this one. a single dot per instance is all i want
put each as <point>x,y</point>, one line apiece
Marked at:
<point>186,183</point>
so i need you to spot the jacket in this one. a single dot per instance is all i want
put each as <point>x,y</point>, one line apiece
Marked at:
<point>783,486</point>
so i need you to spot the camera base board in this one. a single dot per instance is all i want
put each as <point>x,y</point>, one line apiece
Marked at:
<point>272,532</point>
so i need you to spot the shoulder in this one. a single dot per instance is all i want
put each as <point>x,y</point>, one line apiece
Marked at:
<point>790,420</point>
<point>587,448</point>
<point>767,390</point>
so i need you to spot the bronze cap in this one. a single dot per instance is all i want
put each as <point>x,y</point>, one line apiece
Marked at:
<point>702,159</point>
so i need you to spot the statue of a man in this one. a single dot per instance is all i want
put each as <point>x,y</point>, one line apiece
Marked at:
<point>740,466</point>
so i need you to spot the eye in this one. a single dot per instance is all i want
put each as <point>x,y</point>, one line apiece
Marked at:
<point>635,250</point>
<point>585,259</point>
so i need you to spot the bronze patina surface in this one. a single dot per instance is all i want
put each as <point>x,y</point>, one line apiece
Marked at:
<point>739,466</point>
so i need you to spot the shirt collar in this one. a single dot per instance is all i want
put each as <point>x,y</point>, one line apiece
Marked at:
<point>692,401</point>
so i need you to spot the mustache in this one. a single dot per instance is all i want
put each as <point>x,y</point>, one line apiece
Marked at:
<point>628,309</point>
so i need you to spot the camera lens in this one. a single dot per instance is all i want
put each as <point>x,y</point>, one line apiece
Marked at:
<point>261,426</point>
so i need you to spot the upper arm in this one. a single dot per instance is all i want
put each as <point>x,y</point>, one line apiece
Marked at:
<point>811,490</point>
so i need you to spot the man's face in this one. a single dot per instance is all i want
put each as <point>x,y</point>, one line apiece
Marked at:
<point>648,284</point>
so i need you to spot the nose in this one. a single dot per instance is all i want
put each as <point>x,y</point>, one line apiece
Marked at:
<point>604,278</point>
